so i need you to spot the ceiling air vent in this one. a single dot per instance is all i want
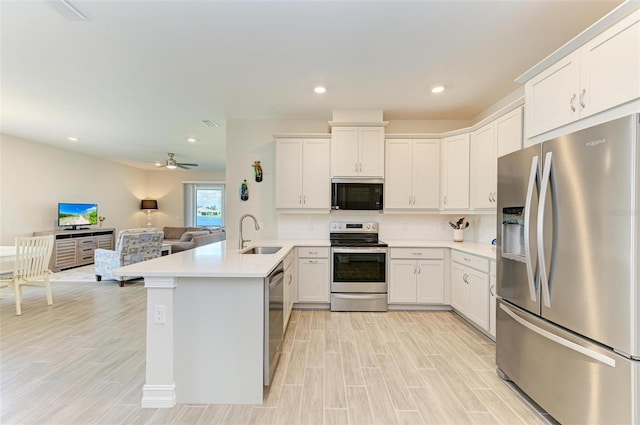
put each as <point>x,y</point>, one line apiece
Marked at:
<point>66,9</point>
<point>208,123</point>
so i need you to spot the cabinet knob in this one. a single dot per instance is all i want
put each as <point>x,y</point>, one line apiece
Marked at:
<point>582,93</point>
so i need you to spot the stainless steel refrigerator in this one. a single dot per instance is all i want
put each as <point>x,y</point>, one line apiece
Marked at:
<point>568,319</point>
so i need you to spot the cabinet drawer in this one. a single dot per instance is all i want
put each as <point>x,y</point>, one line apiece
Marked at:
<point>313,252</point>
<point>89,242</point>
<point>470,260</point>
<point>417,253</point>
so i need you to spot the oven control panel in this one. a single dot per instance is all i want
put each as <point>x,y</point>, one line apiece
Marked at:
<point>342,227</point>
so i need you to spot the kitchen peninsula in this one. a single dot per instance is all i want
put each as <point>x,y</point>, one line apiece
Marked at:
<point>205,316</point>
<point>205,320</point>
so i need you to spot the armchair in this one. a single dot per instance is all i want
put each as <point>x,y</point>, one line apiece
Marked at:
<point>132,246</point>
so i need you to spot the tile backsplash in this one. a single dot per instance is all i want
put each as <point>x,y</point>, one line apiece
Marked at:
<point>434,227</point>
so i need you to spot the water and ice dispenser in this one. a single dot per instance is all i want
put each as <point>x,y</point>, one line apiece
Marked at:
<point>513,233</point>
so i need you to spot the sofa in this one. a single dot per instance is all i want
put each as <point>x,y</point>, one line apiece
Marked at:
<point>184,238</point>
<point>132,246</point>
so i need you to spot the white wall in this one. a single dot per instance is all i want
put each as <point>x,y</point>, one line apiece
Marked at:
<point>35,177</point>
<point>249,141</point>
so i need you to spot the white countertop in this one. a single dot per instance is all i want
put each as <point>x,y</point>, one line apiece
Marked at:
<point>481,249</point>
<point>224,260</point>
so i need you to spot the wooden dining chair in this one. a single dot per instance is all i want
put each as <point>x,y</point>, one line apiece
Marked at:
<point>30,267</point>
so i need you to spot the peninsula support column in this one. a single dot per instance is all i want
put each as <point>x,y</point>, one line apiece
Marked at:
<point>160,388</point>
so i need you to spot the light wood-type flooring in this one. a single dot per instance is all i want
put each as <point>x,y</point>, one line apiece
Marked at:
<point>82,361</point>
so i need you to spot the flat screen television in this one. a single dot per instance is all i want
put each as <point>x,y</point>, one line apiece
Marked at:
<point>76,215</point>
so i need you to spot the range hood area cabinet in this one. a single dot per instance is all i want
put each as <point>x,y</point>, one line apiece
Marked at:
<point>357,151</point>
<point>601,74</point>
<point>302,173</point>
<point>412,174</point>
<point>454,181</point>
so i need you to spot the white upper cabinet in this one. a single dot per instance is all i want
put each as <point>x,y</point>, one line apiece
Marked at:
<point>484,167</point>
<point>509,132</point>
<point>412,174</point>
<point>302,174</point>
<point>455,172</point>
<point>499,137</point>
<point>602,74</point>
<point>357,152</point>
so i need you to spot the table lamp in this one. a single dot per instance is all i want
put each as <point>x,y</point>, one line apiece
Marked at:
<point>148,204</point>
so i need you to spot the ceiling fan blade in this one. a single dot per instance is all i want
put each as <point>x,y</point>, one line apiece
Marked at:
<point>187,164</point>
<point>183,167</point>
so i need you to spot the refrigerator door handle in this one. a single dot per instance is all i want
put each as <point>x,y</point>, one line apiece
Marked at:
<point>544,281</point>
<point>559,340</point>
<point>533,178</point>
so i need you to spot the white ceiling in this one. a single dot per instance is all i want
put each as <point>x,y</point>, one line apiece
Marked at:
<point>135,79</point>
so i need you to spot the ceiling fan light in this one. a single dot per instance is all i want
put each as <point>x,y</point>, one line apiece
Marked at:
<point>172,166</point>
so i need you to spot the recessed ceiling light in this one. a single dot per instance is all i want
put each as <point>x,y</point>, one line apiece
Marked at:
<point>320,89</point>
<point>192,140</point>
<point>73,139</point>
<point>437,89</point>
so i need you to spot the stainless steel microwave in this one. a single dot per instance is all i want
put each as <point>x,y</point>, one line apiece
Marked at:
<point>356,194</point>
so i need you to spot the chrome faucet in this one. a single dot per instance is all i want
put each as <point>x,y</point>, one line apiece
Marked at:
<point>241,241</point>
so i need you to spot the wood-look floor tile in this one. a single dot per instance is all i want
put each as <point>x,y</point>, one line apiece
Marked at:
<point>377,339</point>
<point>263,416</point>
<point>418,358</point>
<point>503,413</point>
<point>458,385</point>
<point>381,405</point>
<point>79,363</point>
<point>336,417</point>
<point>409,371</point>
<point>511,398</point>
<point>397,387</point>
<point>289,408</point>
<point>312,409</point>
<point>189,415</point>
<point>238,414</point>
<point>318,318</point>
<point>296,363</point>
<point>332,337</point>
<point>447,399</point>
<point>358,406</point>
<point>351,363</point>
<point>407,417</point>
<point>365,350</point>
<point>303,328</point>
<point>315,349</point>
<point>214,414</point>
<point>334,388</point>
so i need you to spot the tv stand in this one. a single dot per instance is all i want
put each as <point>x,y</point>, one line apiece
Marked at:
<point>74,248</point>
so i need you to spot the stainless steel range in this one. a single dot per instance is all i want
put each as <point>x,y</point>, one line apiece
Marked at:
<point>358,267</point>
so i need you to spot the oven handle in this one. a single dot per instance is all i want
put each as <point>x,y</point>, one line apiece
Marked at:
<point>365,250</point>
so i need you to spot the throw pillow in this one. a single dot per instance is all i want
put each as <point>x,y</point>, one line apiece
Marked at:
<point>188,236</point>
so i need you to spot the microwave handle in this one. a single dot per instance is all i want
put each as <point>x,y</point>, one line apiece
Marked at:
<point>334,196</point>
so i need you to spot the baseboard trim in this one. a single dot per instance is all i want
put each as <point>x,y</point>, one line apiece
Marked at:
<point>158,396</point>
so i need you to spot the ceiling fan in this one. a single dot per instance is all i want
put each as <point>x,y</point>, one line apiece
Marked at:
<point>172,164</point>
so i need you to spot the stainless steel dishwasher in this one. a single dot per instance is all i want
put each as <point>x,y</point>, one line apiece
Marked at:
<point>273,320</point>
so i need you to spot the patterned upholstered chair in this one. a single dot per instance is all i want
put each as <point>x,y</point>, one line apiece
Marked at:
<point>132,246</point>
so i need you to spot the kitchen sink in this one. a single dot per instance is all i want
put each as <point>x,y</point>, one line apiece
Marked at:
<point>262,250</point>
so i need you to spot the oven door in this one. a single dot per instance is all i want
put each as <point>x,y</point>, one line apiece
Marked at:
<point>359,269</point>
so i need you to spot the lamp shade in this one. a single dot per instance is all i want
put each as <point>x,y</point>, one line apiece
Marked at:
<point>148,204</point>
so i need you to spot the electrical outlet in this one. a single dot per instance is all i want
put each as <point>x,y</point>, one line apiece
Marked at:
<point>160,314</point>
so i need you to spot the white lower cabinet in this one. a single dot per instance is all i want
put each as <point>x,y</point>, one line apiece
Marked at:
<point>492,299</point>
<point>470,288</point>
<point>288,293</point>
<point>313,275</point>
<point>416,276</point>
